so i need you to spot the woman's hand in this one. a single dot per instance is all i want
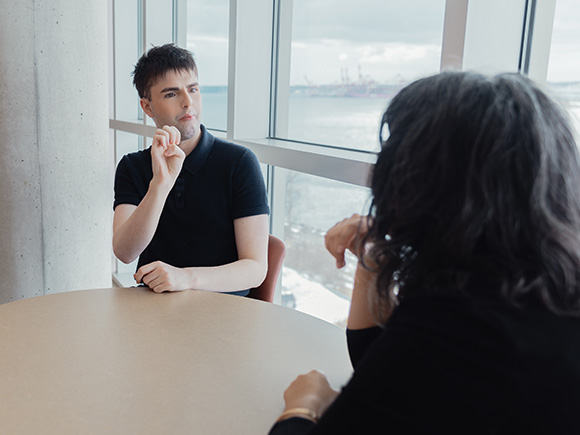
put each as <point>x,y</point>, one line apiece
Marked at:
<point>311,391</point>
<point>346,234</point>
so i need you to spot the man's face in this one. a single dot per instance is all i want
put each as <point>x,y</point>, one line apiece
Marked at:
<point>175,100</point>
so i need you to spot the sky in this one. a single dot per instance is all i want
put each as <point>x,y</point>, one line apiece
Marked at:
<point>388,41</point>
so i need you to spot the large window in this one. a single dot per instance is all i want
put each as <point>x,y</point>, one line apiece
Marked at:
<point>303,83</point>
<point>345,64</point>
<point>348,60</point>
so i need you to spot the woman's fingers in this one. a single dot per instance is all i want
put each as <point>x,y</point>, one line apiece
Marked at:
<point>343,236</point>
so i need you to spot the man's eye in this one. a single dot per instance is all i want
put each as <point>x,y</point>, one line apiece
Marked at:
<point>169,95</point>
<point>193,90</point>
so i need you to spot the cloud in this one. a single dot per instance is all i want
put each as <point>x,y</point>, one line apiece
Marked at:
<point>325,61</point>
<point>396,53</point>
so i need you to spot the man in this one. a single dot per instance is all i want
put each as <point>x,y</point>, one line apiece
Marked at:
<point>192,207</point>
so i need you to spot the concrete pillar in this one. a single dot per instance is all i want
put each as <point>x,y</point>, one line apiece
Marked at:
<point>55,188</point>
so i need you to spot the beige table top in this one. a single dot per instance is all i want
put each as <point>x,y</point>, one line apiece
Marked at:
<point>130,361</point>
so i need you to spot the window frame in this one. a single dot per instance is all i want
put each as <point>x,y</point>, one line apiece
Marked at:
<point>258,70</point>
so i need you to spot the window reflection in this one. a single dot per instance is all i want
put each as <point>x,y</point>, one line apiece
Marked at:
<point>310,280</point>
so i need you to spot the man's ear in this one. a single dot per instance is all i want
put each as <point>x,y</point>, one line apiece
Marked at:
<point>146,106</point>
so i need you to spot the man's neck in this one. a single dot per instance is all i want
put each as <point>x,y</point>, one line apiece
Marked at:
<point>189,145</point>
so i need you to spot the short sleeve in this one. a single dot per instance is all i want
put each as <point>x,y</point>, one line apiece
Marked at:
<point>126,191</point>
<point>249,189</point>
<point>132,178</point>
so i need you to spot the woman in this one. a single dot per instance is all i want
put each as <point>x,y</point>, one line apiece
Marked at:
<point>465,314</point>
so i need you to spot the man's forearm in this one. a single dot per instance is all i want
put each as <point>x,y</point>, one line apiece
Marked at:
<point>239,275</point>
<point>249,271</point>
<point>134,233</point>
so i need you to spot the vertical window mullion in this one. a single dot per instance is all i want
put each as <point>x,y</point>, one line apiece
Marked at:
<point>454,34</point>
<point>539,40</point>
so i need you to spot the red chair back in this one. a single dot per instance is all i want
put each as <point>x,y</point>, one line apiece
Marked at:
<point>276,254</point>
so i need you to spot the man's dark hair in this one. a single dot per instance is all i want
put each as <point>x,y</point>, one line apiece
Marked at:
<point>156,62</point>
<point>478,181</point>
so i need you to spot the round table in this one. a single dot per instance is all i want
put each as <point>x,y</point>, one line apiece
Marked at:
<point>130,361</point>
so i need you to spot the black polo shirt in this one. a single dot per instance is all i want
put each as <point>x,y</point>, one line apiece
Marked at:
<point>219,182</point>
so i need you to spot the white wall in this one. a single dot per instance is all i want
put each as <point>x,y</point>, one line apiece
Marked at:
<point>56,193</point>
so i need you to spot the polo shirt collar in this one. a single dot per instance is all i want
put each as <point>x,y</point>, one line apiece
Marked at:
<point>195,160</point>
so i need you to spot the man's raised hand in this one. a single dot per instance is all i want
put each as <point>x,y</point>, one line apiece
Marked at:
<point>167,157</point>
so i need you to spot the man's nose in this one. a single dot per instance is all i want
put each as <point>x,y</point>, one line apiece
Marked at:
<point>186,99</point>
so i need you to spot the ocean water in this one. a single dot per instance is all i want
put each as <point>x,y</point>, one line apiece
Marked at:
<point>337,121</point>
<point>345,121</point>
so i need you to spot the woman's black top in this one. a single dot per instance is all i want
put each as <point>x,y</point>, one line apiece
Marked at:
<point>458,363</point>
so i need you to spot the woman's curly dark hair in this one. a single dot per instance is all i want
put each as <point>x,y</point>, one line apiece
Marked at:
<point>478,179</point>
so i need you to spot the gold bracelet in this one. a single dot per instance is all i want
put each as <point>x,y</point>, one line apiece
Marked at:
<point>308,413</point>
